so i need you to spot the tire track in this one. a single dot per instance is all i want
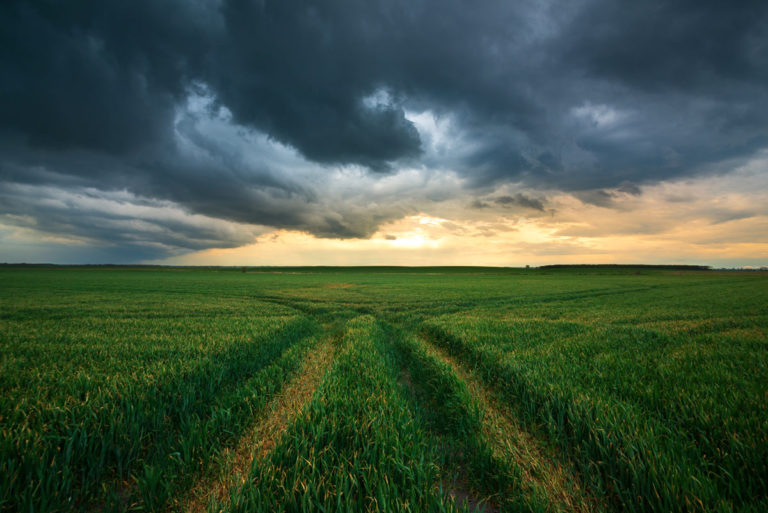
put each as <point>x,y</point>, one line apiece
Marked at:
<point>510,441</point>
<point>262,437</point>
<point>454,484</point>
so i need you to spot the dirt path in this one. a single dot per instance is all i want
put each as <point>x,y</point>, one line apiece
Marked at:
<point>265,433</point>
<point>510,441</point>
<point>454,486</point>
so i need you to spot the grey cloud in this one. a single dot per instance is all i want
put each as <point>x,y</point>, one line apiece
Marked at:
<point>723,216</point>
<point>591,97</point>
<point>685,45</point>
<point>98,75</point>
<point>150,228</point>
<point>600,198</point>
<point>75,76</point>
<point>521,200</point>
<point>630,188</point>
<point>609,198</point>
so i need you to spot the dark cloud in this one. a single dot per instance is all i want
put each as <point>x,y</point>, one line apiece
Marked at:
<point>301,71</point>
<point>98,75</point>
<point>630,188</point>
<point>609,198</point>
<point>593,96</point>
<point>600,198</point>
<point>689,46</point>
<point>149,229</point>
<point>521,200</point>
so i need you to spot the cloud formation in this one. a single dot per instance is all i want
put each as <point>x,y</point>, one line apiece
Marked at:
<point>333,118</point>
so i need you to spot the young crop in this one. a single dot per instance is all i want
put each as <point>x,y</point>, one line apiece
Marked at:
<point>517,390</point>
<point>357,447</point>
<point>639,451</point>
<point>456,415</point>
<point>89,431</point>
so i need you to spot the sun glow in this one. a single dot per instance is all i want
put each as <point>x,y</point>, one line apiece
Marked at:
<point>702,225</point>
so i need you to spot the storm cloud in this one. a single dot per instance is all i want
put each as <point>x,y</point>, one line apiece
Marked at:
<point>248,115</point>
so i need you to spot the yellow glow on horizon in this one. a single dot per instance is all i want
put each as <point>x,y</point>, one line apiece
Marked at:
<point>681,222</point>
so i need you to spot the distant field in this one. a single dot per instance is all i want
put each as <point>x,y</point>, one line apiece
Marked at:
<point>439,389</point>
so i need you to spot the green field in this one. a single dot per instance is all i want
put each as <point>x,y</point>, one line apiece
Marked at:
<point>391,389</point>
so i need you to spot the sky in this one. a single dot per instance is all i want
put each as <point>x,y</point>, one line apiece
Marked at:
<point>394,132</point>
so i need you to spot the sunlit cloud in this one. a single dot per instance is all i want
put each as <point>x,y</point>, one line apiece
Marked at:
<point>719,220</point>
<point>519,133</point>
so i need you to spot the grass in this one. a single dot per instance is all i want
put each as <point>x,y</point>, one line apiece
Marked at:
<point>233,465</point>
<point>595,389</point>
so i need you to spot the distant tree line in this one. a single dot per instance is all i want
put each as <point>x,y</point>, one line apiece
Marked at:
<point>630,266</point>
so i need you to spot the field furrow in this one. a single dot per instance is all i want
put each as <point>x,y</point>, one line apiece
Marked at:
<point>391,390</point>
<point>114,439</point>
<point>458,483</point>
<point>537,459</point>
<point>490,453</point>
<point>356,447</point>
<point>199,439</point>
<point>235,463</point>
<point>635,460</point>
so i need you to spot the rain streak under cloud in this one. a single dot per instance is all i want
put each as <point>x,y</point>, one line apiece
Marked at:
<point>413,132</point>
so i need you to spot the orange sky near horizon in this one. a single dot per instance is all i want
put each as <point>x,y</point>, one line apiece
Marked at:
<point>718,220</point>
